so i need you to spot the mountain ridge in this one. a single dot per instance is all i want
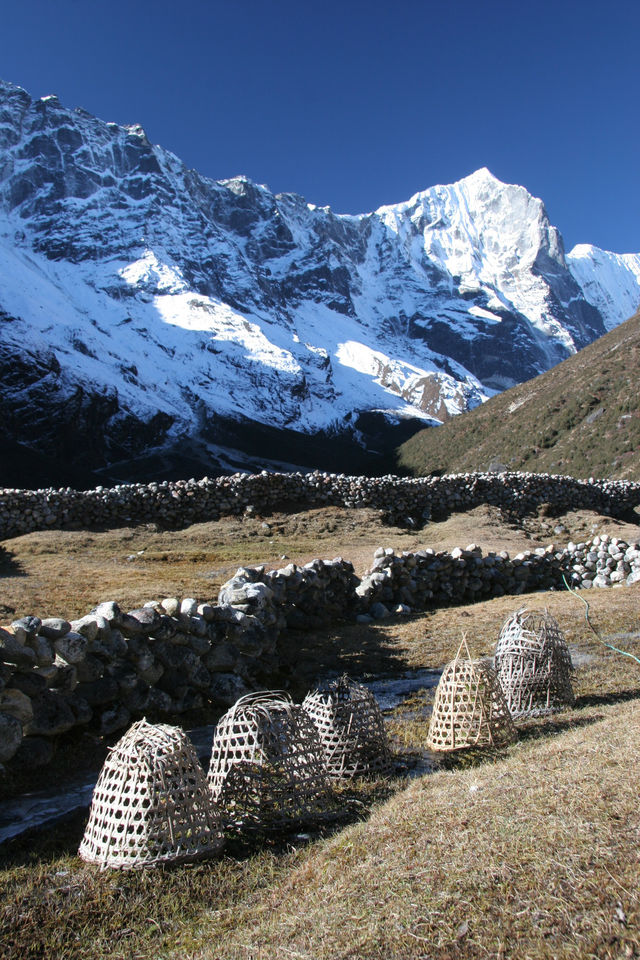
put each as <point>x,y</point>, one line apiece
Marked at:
<point>166,309</point>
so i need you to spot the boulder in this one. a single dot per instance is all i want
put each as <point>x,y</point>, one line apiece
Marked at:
<point>110,611</point>
<point>13,650</point>
<point>379,611</point>
<point>6,673</point>
<point>141,621</point>
<point>26,628</point>
<point>10,736</point>
<point>89,669</point>
<point>171,606</point>
<point>33,752</point>
<point>72,648</point>
<point>221,658</point>
<point>98,692</point>
<point>88,626</point>
<point>226,688</point>
<point>54,627</point>
<point>31,683</point>
<point>81,709</point>
<point>113,719</point>
<point>52,715</point>
<point>66,677</point>
<point>43,649</point>
<point>18,704</point>
<point>159,701</point>
<point>189,607</point>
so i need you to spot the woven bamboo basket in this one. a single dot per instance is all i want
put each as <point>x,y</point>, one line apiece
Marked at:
<point>351,729</point>
<point>267,765</point>
<point>533,664</point>
<point>470,709</point>
<point>151,804</point>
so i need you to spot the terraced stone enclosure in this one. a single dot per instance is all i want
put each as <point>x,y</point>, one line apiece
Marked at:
<point>408,500</point>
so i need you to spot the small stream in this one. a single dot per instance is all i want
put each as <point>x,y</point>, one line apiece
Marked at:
<point>46,806</point>
<point>390,692</point>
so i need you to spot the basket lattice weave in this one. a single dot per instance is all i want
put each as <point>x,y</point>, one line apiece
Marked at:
<point>470,709</point>
<point>151,803</point>
<point>267,764</point>
<point>533,664</point>
<point>351,729</point>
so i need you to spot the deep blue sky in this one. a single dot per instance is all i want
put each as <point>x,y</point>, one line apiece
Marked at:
<point>355,104</point>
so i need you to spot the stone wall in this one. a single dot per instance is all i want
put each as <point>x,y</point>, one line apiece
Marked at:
<point>400,583</point>
<point>163,659</point>
<point>173,655</point>
<point>403,500</point>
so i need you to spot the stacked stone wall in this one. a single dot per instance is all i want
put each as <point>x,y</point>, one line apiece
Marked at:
<point>403,500</point>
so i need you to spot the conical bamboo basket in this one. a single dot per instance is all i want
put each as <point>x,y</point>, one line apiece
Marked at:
<point>351,729</point>
<point>533,664</point>
<point>151,804</point>
<point>267,764</point>
<point>469,708</point>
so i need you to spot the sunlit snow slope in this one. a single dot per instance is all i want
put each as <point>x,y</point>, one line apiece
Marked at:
<point>610,281</point>
<point>146,310</point>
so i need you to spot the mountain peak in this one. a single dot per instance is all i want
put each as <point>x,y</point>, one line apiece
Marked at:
<point>145,307</point>
<point>482,175</point>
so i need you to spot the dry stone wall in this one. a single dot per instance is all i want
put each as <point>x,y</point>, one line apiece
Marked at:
<point>172,655</point>
<point>402,582</point>
<point>403,500</point>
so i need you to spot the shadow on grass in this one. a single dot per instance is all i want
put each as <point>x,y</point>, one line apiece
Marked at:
<point>549,726</point>
<point>59,840</point>
<point>360,650</point>
<point>9,566</point>
<point>533,730</point>
<point>604,699</point>
<point>55,905</point>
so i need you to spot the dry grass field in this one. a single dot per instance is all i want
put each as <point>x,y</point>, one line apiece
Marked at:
<point>65,573</point>
<point>532,852</point>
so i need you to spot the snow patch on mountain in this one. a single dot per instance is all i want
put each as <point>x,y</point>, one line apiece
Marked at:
<point>610,281</point>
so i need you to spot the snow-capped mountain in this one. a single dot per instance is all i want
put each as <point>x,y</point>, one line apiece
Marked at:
<point>144,307</point>
<point>610,281</point>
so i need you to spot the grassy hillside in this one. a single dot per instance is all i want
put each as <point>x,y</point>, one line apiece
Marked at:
<point>581,418</point>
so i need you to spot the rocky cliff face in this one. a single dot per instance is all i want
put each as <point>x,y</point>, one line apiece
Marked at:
<point>157,321</point>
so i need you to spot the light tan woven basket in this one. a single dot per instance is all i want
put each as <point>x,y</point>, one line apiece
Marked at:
<point>351,729</point>
<point>469,708</point>
<point>267,764</point>
<point>151,804</point>
<point>533,664</point>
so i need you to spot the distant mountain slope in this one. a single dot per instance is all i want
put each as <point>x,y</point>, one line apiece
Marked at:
<point>581,418</point>
<point>152,319</point>
<point>610,281</point>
